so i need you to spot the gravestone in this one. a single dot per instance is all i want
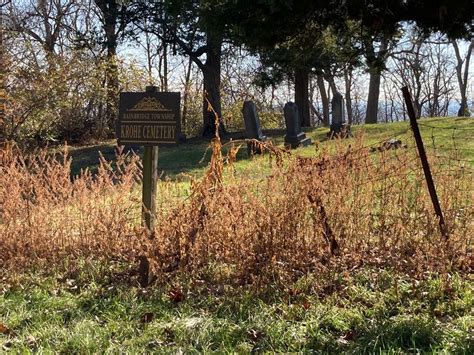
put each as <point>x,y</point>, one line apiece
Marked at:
<point>253,130</point>
<point>294,136</point>
<point>339,128</point>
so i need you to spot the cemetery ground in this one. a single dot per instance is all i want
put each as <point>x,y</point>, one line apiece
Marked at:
<point>191,158</point>
<point>246,258</point>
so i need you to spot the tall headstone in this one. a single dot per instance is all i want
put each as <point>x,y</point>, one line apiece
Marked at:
<point>294,136</point>
<point>253,129</point>
<point>339,128</point>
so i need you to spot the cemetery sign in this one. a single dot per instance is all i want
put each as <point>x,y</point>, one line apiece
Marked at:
<point>149,118</point>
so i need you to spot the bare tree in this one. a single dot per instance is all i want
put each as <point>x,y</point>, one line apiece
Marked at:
<point>438,81</point>
<point>324,98</point>
<point>409,64</point>
<point>43,21</point>
<point>423,64</point>
<point>462,74</point>
<point>348,81</point>
<point>2,76</point>
<point>114,17</point>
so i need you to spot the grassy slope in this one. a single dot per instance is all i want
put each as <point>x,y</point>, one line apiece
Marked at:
<point>94,310</point>
<point>192,158</point>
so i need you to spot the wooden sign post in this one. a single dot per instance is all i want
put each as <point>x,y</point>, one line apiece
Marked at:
<point>152,119</point>
<point>150,178</point>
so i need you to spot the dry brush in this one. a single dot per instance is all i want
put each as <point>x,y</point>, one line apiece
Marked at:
<point>333,212</point>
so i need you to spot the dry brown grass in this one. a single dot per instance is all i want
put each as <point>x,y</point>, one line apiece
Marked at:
<point>334,212</point>
<point>47,217</point>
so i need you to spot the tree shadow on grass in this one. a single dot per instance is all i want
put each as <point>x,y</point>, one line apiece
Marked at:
<point>190,158</point>
<point>88,157</point>
<point>193,156</point>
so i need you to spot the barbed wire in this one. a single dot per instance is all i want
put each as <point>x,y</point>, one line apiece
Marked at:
<point>421,124</point>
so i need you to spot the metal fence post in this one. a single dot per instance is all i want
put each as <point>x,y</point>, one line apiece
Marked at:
<point>424,162</point>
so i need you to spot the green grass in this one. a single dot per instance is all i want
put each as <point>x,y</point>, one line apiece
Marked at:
<point>371,311</point>
<point>192,158</point>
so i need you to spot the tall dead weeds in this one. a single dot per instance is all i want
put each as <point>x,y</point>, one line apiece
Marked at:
<point>46,216</point>
<point>335,211</point>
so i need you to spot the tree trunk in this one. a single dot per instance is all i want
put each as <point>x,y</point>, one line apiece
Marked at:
<point>302,96</point>
<point>348,82</point>
<point>187,84</point>
<point>163,68</point>
<point>149,58</point>
<point>375,72</point>
<point>112,88</point>
<point>324,99</point>
<point>333,86</point>
<point>434,103</point>
<point>463,77</point>
<point>110,14</point>
<point>111,73</point>
<point>373,97</point>
<point>211,71</point>
<point>463,109</point>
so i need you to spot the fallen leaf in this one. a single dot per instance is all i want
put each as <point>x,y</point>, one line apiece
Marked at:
<point>342,341</point>
<point>147,317</point>
<point>176,295</point>
<point>4,329</point>
<point>98,320</point>
<point>293,292</point>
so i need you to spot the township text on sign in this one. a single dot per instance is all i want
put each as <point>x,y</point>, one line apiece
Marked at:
<point>149,118</point>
